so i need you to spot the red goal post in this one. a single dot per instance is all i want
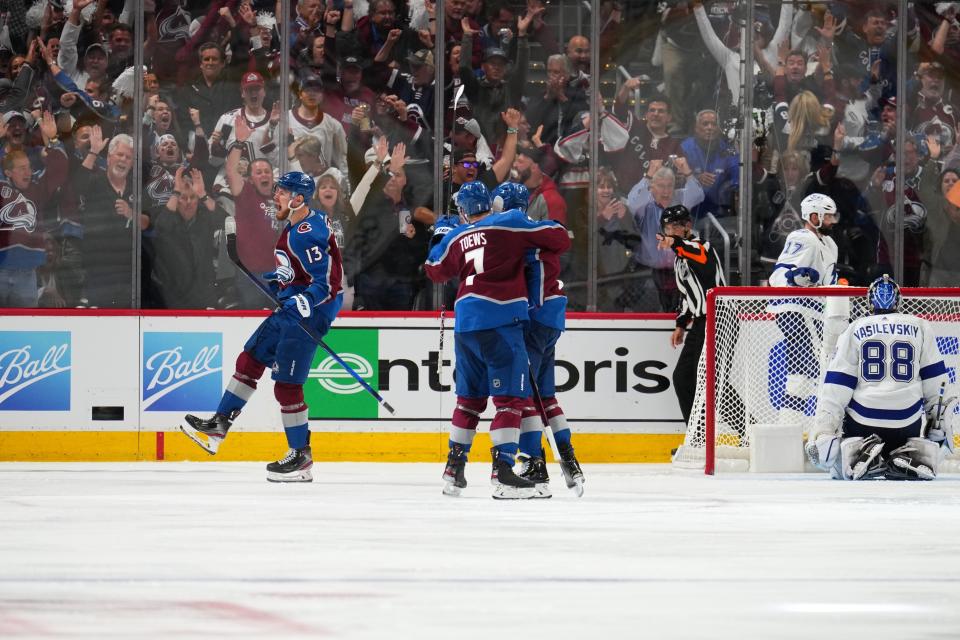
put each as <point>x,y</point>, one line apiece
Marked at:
<point>730,309</point>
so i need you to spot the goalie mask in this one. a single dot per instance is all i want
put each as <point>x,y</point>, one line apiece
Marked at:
<point>884,295</point>
<point>822,205</point>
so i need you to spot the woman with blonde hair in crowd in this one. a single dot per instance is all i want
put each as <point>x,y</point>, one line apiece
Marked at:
<point>808,122</point>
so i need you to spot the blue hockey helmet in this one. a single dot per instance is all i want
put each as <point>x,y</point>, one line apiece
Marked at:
<point>297,183</point>
<point>513,195</point>
<point>884,295</point>
<point>473,199</point>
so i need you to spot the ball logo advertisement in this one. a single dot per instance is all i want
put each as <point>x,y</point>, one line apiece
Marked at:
<point>330,391</point>
<point>182,371</point>
<point>35,370</point>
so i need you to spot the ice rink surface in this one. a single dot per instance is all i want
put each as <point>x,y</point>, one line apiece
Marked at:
<point>183,550</point>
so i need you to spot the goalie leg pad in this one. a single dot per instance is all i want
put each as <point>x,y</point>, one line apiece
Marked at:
<point>861,457</point>
<point>916,460</point>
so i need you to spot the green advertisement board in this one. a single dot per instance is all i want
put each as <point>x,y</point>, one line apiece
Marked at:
<point>331,392</point>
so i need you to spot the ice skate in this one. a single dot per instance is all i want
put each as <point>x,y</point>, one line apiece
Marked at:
<point>293,467</point>
<point>916,460</point>
<point>572,473</point>
<point>868,462</point>
<point>207,433</point>
<point>506,484</point>
<point>454,478</point>
<point>534,469</point>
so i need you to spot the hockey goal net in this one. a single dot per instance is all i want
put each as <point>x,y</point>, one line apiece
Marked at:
<point>766,352</point>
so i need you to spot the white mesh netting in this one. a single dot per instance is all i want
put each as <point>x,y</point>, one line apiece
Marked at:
<point>763,378</point>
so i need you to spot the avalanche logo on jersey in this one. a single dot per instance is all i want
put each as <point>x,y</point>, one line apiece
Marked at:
<point>182,371</point>
<point>35,370</point>
<point>21,213</point>
<point>304,228</point>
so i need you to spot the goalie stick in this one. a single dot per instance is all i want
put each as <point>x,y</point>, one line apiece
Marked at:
<point>230,228</point>
<point>548,430</point>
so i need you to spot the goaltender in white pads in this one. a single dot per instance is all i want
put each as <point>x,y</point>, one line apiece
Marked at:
<point>884,390</point>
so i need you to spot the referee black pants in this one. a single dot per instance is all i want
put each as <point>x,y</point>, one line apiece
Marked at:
<point>685,373</point>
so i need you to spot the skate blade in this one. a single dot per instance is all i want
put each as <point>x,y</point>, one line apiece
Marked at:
<point>861,468</point>
<point>304,475</point>
<point>208,444</point>
<point>922,472</point>
<point>452,490</point>
<point>542,490</point>
<point>504,492</point>
<point>577,487</point>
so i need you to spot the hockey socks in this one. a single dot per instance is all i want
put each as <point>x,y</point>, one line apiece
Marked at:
<point>531,431</point>
<point>463,425</point>
<point>293,412</point>
<point>505,427</point>
<point>557,422</point>
<point>241,386</point>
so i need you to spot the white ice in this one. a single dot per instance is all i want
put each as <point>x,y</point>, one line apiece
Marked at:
<point>181,550</point>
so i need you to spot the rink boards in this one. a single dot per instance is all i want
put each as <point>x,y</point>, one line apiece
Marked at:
<point>92,386</point>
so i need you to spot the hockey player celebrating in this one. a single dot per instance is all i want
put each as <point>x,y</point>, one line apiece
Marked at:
<point>308,283</point>
<point>547,306</point>
<point>487,254</point>
<point>808,259</point>
<point>884,392</point>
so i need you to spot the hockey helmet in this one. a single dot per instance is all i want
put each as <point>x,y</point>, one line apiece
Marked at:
<point>883,295</point>
<point>473,199</point>
<point>676,214</point>
<point>818,203</point>
<point>297,183</point>
<point>512,195</point>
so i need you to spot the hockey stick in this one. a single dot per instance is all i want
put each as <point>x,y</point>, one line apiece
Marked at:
<point>230,228</point>
<point>548,430</point>
<point>936,421</point>
<point>443,310</point>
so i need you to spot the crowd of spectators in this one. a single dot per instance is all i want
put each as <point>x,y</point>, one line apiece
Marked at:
<point>360,89</point>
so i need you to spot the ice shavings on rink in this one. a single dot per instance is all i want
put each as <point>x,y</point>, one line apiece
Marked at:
<point>374,550</point>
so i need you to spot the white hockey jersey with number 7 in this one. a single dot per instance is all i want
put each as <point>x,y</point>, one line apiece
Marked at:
<point>886,373</point>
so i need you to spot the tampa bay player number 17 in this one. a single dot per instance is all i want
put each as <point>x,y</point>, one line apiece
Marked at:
<point>808,259</point>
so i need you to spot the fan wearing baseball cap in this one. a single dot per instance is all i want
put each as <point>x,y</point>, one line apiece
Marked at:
<point>349,99</point>
<point>253,111</point>
<point>93,65</point>
<point>496,90</point>
<point>308,118</point>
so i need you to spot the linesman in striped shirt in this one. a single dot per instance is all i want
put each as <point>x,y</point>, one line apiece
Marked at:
<point>697,269</point>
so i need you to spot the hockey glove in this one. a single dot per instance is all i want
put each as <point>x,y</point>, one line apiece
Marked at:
<point>803,277</point>
<point>443,226</point>
<point>283,275</point>
<point>941,430</point>
<point>296,308</point>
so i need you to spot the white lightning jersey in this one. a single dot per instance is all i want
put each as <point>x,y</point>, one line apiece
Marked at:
<point>804,248</point>
<point>886,373</point>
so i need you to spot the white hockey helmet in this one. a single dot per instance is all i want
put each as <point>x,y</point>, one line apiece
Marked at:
<point>817,203</point>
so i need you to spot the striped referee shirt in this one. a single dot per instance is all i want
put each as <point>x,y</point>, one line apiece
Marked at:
<point>697,270</point>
